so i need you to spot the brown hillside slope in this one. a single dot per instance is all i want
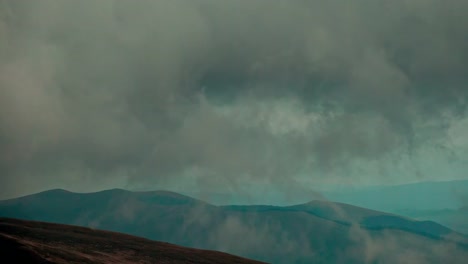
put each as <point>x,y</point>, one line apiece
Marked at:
<point>39,242</point>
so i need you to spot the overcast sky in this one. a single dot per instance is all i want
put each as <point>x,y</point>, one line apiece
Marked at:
<point>224,95</point>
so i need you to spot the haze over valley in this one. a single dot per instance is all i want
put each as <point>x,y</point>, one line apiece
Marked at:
<point>301,131</point>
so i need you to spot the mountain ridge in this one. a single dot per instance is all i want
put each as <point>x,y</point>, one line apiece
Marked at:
<point>288,234</point>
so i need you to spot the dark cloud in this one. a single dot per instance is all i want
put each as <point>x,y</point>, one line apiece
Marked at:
<point>98,93</point>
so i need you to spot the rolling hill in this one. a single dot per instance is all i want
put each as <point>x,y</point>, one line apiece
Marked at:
<point>314,232</point>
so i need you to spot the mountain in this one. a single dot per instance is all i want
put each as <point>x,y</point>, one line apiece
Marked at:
<point>442,202</point>
<point>346,214</point>
<point>47,243</point>
<point>421,195</point>
<point>453,218</point>
<point>314,232</point>
<point>434,195</point>
<point>438,201</point>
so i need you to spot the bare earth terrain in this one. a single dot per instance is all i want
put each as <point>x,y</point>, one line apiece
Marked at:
<point>40,242</point>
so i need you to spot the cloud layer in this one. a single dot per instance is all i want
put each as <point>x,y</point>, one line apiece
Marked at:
<point>219,94</point>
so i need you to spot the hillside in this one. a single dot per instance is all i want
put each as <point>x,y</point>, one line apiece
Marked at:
<point>40,242</point>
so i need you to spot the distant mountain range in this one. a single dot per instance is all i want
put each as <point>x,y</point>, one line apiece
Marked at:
<point>445,202</point>
<point>442,202</point>
<point>45,243</point>
<point>422,196</point>
<point>314,232</point>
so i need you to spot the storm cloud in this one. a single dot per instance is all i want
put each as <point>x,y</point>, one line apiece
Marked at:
<point>219,94</point>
